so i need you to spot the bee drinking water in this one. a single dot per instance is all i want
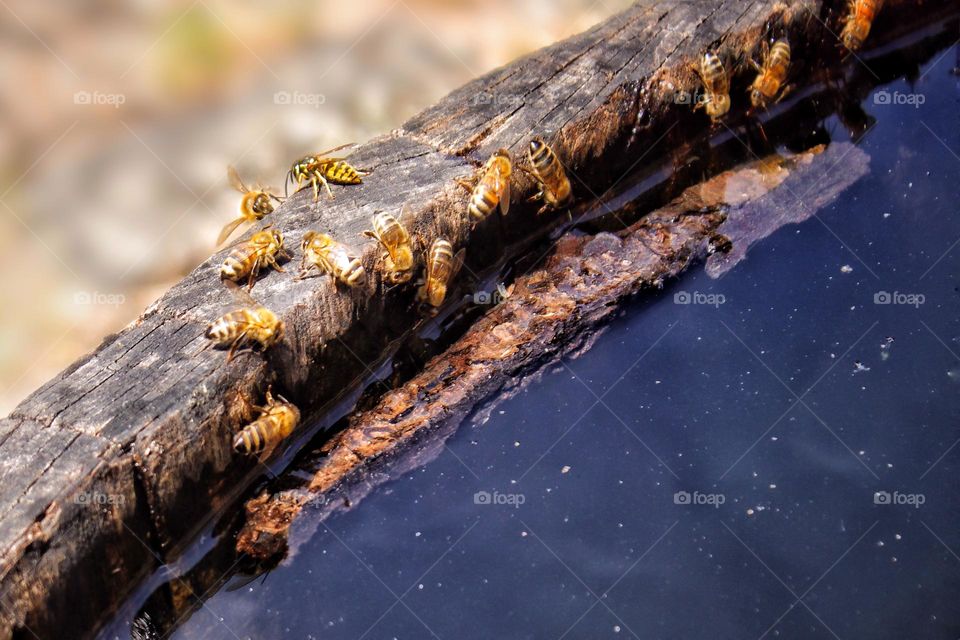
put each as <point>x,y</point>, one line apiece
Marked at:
<point>255,205</point>
<point>322,252</point>
<point>397,245</point>
<point>490,186</point>
<point>716,86</point>
<point>554,186</point>
<point>248,327</point>
<point>277,420</point>
<point>442,268</point>
<point>768,84</point>
<point>247,259</point>
<point>856,28</point>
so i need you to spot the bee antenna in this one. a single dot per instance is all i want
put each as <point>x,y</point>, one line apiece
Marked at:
<point>286,182</point>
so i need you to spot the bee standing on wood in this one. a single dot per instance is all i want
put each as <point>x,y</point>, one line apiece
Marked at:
<point>856,28</point>
<point>246,260</point>
<point>256,326</point>
<point>551,178</point>
<point>319,170</point>
<point>490,186</point>
<point>716,86</point>
<point>768,85</point>
<point>322,252</point>
<point>277,420</point>
<point>398,247</point>
<point>442,268</point>
<point>253,207</point>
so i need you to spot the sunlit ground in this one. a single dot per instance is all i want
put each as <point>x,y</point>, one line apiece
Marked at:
<point>120,118</point>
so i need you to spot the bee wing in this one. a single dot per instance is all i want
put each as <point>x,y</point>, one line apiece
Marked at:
<point>229,228</point>
<point>457,264</point>
<point>505,198</point>
<point>407,218</point>
<point>241,295</point>
<point>234,179</point>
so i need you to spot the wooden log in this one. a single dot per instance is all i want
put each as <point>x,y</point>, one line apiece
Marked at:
<point>112,466</point>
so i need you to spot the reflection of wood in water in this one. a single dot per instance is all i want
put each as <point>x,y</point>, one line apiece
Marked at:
<point>807,186</point>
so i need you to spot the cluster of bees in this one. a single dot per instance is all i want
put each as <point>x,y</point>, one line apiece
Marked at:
<point>256,327</point>
<point>489,190</point>
<point>768,87</point>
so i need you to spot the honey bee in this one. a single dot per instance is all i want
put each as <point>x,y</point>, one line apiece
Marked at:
<point>856,28</point>
<point>769,82</point>
<point>319,170</point>
<point>261,250</point>
<point>254,206</point>
<point>322,252</point>
<point>490,186</point>
<point>550,176</point>
<point>716,86</point>
<point>397,244</point>
<point>277,420</point>
<point>442,268</point>
<point>246,327</point>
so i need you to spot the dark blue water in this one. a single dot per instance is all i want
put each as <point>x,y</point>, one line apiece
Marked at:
<point>781,465</point>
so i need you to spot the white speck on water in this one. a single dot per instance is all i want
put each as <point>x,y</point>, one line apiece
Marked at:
<point>420,587</point>
<point>862,452</point>
<point>879,543</point>
<point>898,536</point>
<point>774,438</point>
<point>417,534</point>
<point>616,628</point>
<point>886,215</point>
<point>859,367</point>
<point>773,486</point>
<point>846,269</point>
<point>750,512</point>
<point>565,469</point>
<point>516,444</point>
<point>523,534</point>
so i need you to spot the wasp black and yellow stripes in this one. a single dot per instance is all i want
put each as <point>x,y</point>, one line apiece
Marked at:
<point>247,259</point>
<point>277,420</point>
<point>322,252</point>
<point>490,186</point>
<point>550,176</point>
<point>320,170</point>
<point>442,268</point>
<point>258,326</point>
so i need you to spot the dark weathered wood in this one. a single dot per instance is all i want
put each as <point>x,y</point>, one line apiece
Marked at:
<point>112,465</point>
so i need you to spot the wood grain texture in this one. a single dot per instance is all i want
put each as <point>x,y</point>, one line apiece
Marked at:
<point>112,465</point>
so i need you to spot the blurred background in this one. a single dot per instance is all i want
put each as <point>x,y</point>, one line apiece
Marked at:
<point>119,119</point>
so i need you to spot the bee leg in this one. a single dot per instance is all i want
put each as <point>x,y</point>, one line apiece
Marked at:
<point>467,183</point>
<point>536,196</point>
<point>784,92</point>
<point>316,188</point>
<point>276,265</point>
<point>544,209</point>
<point>236,343</point>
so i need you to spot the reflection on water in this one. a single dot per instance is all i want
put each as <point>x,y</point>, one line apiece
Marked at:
<point>767,454</point>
